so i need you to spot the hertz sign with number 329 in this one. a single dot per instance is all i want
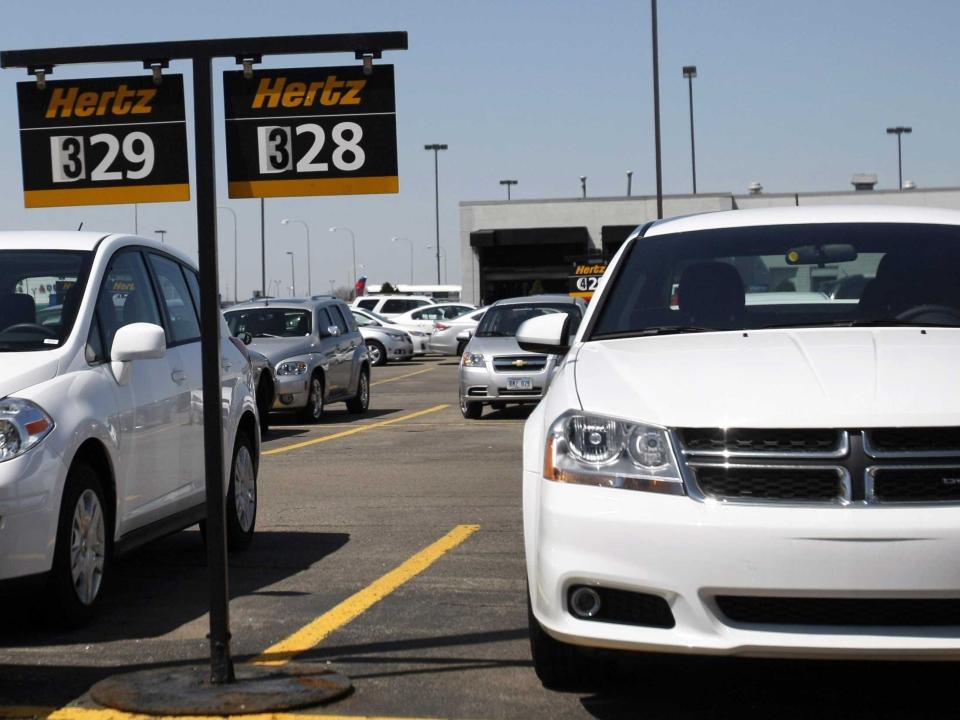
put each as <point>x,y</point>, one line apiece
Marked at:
<point>311,131</point>
<point>103,140</point>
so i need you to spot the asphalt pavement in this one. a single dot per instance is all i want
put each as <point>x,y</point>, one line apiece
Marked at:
<point>389,546</point>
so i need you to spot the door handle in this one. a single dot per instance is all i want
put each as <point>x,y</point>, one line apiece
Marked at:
<point>178,376</point>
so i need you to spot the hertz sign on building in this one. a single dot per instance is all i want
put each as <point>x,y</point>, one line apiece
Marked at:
<point>311,131</point>
<point>103,140</point>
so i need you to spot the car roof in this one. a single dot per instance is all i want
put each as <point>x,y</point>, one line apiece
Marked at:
<point>285,303</point>
<point>534,299</point>
<point>806,214</point>
<point>85,241</point>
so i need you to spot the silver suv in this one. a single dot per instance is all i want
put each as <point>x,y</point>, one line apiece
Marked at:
<point>316,350</point>
<point>493,368</point>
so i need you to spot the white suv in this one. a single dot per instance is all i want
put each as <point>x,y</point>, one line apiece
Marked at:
<point>391,305</point>
<point>745,465</point>
<point>101,442</point>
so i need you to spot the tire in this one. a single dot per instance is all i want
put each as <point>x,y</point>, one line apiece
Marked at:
<point>313,412</point>
<point>471,410</point>
<point>73,597</point>
<point>242,496</point>
<point>377,353</point>
<point>461,346</point>
<point>361,401</point>
<point>559,666</point>
<point>264,402</point>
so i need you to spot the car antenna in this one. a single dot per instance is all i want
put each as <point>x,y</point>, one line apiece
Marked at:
<point>81,226</point>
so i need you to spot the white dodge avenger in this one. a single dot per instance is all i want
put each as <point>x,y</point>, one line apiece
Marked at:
<point>734,460</point>
<point>101,414</point>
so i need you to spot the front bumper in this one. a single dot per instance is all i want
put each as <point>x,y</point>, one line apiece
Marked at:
<point>689,552</point>
<point>292,392</point>
<point>421,344</point>
<point>398,349</point>
<point>483,384</point>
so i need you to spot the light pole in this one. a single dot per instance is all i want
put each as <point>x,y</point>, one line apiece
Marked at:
<point>656,105</point>
<point>444,253</point>
<point>287,221</point>
<point>407,240</point>
<point>690,72</point>
<point>898,131</point>
<point>162,234</point>
<point>508,183</point>
<point>436,147</point>
<point>583,186</point>
<point>230,210</point>
<point>353,245</point>
<point>629,182</point>
<point>293,282</point>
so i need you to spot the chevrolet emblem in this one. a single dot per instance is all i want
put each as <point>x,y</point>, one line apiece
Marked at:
<point>519,363</point>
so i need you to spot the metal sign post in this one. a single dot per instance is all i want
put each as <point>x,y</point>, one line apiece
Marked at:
<point>201,53</point>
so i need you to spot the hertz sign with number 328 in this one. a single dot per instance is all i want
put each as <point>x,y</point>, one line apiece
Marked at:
<point>311,131</point>
<point>103,140</point>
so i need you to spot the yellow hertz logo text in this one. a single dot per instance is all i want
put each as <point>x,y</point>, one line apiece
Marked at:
<point>70,102</point>
<point>597,269</point>
<point>271,93</point>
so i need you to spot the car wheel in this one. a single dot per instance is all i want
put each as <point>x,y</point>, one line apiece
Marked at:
<point>461,346</point>
<point>559,666</point>
<point>377,353</point>
<point>264,402</point>
<point>314,409</point>
<point>361,401</point>
<point>81,557</point>
<point>471,410</point>
<point>242,495</point>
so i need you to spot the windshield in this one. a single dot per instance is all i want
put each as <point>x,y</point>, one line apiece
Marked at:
<point>40,292</point>
<point>504,320</point>
<point>867,274</point>
<point>269,322</point>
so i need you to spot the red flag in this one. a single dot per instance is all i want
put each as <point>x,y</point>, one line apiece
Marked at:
<point>361,288</point>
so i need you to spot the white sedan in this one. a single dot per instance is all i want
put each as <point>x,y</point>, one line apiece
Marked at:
<point>423,318</point>
<point>101,438</point>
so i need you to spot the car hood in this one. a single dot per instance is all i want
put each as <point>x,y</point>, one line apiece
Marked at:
<point>19,370</point>
<point>496,346</point>
<point>280,349</point>
<point>837,377</point>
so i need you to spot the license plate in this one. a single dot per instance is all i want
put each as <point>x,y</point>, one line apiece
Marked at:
<point>519,384</point>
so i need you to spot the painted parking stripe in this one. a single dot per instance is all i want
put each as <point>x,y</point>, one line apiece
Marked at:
<point>76,712</point>
<point>314,633</point>
<point>354,431</point>
<point>401,377</point>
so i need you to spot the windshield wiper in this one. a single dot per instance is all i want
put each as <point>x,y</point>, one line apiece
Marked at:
<point>655,330</point>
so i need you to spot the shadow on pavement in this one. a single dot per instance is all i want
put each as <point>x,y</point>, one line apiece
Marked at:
<point>162,586</point>
<point>335,415</point>
<point>510,412</point>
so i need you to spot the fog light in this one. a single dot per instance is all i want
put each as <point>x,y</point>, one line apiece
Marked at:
<point>585,602</point>
<point>286,399</point>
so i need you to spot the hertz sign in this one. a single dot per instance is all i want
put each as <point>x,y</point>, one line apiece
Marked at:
<point>585,278</point>
<point>311,131</point>
<point>103,140</point>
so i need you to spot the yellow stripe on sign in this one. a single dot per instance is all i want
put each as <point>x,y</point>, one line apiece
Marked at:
<point>106,195</point>
<point>400,377</point>
<point>74,712</point>
<point>313,634</point>
<point>315,186</point>
<point>353,431</point>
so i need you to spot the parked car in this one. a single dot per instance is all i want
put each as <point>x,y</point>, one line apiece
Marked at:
<point>391,305</point>
<point>417,337</point>
<point>494,369</point>
<point>766,479</point>
<point>384,341</point>
<point>101,438</point>
<point>446,339</point>
<point>317,351</point>
<point>424,318</point>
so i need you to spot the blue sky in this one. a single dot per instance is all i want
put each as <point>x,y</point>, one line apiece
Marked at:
<point>793,95</point>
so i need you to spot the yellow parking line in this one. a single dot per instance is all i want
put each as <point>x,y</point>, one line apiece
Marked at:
<point>313,633</point>
<point>353,431</point>
<point>401,377</point>
<point>73,712</point>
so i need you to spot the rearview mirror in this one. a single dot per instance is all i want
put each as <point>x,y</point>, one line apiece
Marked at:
<point>549,334</point>
<point>821,254</point>
<point>136,341</point>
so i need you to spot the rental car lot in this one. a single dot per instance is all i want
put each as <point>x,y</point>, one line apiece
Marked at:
<point>365,496</point>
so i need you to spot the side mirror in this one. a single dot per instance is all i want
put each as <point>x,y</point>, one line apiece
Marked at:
<point>465,336</point>
<point>136,341</point>
<point>245,337</point>
<point>333,331</point>
<point>549,334</point>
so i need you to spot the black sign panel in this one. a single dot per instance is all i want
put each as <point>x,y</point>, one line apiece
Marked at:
<point>100,141</point>
<point>311,131</point>
<point>585,278</point>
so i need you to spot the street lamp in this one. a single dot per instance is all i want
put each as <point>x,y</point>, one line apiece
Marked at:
<point>508,183</point>
<point>898,131</point>
<point>287,221</point>
<point>629,182</point>
<point>406,240</point>
<point>230,210</point>
<point>293,282</point>
<point>583,186</point>
<point>436,147</point>
<point>690,72</point>
<point>162,234</point>
<point>353,245</point>
<point>444,253</point>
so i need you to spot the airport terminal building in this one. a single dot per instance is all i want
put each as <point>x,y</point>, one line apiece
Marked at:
<point>522,247</point>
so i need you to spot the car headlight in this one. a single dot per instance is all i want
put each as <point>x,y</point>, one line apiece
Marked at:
<point>472,359</point>
<point>292,367</point>
<point>587,449</point>
<point>22,425</point>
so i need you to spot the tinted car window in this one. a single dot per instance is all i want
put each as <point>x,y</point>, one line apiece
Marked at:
<point>194,284</point>
<point>396,306</point>
<point>338,319</point>
<point>364,321</point>
<point>184,326</point>
<point>452,312</point>
<point>428,314</point>
<point>268,322</point>
<point>368,304</point>
<point>504,320</point>
<point>348,317</point>
<point>126,296</point>
<point>94,352</point>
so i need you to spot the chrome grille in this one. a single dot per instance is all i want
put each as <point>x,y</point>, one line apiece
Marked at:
<point>519,363</point>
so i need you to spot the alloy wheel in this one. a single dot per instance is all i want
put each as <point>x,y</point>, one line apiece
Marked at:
<point>245,488</point>
<point>87,547</point>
